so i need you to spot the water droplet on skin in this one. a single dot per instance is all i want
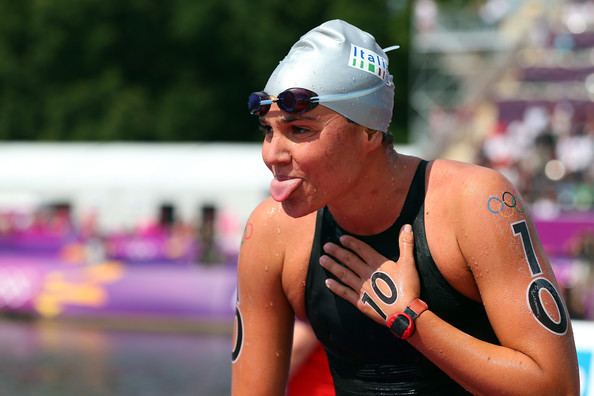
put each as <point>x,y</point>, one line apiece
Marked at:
<point>277,354</point>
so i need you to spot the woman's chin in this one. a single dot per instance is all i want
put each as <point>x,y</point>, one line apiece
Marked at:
<point>296,209</point>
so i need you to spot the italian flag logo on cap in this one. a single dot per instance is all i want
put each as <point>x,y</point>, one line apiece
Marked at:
<point>368,61</point>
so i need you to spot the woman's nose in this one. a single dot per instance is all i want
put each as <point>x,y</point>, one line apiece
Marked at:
<point>275,150</point>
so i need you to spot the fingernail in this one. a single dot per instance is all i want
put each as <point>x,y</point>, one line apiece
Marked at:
<point>407,228</point>
<point>345,241</point>
<point>327,283</point>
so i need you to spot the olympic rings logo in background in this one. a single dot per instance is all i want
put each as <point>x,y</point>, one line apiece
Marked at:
<point>504,206</point>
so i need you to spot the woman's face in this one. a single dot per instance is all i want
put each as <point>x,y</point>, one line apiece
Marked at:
<point>316,157</point>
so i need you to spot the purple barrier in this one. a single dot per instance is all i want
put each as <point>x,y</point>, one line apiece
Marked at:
<point>577,40</point>
<point>49,287</point>
<point>195,293</point>
<point>550,74</point>
<point>562,236</point>
<point>564,269</point>
<point>151,249</point>
<point>21,280</point>
<point>131,248</point>
<point>53,289</point>
<point>34,243</point>
<point>513,109</point>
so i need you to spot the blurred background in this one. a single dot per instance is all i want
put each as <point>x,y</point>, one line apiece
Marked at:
<point>129,164</point>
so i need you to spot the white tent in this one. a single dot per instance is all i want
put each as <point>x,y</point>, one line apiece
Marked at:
<point>126,183</point>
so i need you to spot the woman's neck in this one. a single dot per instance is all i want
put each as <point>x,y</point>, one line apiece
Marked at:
<point>376,202</point>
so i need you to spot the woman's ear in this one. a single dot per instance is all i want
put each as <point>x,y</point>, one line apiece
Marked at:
<point>374,136</point>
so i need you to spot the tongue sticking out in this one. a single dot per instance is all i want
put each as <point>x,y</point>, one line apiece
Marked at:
<point>282,189</point>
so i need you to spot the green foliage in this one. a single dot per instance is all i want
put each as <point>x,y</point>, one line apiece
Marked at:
<point>148,70</point>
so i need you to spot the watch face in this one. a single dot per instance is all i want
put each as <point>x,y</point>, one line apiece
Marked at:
<point>400,324</point>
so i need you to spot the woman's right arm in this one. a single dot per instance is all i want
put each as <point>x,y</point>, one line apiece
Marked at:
<point>263,319</point>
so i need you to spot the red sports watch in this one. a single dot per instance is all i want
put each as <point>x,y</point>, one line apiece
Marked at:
<point>402,324</point>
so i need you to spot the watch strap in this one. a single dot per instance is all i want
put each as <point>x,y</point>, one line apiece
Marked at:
<point>416,307</point>
<point>407,318</point>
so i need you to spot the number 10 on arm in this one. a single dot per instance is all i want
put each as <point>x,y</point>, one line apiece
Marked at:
<point>540,285</point>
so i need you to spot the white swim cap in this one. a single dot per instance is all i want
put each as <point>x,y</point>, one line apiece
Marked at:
<point>337,58</point>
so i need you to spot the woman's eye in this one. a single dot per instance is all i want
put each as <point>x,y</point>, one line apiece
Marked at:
<point>299,130</point>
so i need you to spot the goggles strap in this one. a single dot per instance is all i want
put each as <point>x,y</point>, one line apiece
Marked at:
<point>347,95</point>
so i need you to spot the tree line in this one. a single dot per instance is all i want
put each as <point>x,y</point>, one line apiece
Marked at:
<point>148,70</point>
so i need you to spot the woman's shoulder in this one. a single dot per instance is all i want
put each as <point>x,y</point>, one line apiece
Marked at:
<point>272,242</point>
<point>271,216</point>
<point>465,193</point>
<point>270,224</point>
<point>463,180</point>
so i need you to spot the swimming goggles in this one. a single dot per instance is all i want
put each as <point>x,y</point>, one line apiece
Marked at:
<point>299,100</point>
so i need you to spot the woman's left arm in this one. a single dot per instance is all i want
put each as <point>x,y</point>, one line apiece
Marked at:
<point>517,287</point>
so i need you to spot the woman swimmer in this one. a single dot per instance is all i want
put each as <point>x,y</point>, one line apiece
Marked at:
<point>410,280</point>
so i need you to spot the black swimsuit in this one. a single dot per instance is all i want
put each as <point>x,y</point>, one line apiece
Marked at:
<point>365,358</point>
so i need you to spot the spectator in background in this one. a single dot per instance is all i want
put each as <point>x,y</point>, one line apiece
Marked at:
<point>426,13</point>
<point>207,236</point>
